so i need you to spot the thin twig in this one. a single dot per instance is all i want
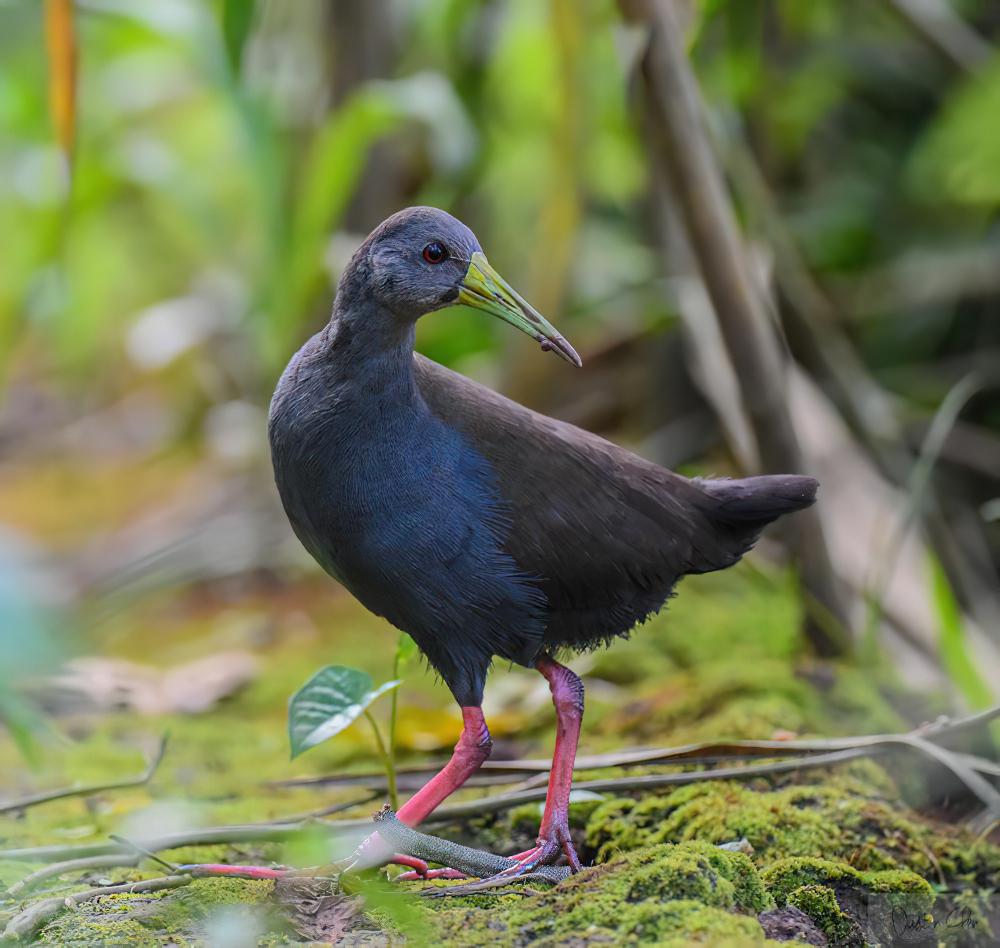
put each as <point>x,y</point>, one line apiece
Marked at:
<point>943,29</point>
<point>497,887</point>
<point>207,836</point>
<point>336,807</point>
<point>143,852</point>
<point>49,795</point>
<point>699,752</point>
<point>72,865</point>
<point>505,801</point>
<point>26,923</point>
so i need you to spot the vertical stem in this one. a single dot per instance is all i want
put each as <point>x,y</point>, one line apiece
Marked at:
<point>685,154</point>
<point>392,713</point>
<point>387,762</point>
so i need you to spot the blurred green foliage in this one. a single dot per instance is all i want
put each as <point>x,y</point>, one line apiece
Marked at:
<point>217,155</point>
<point>230,154</point>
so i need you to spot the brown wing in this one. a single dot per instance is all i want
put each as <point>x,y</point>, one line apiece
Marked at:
<point>607,533</point>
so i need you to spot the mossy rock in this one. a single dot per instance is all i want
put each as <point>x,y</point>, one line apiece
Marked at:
<point>819,902</point>
<point>687,892</point>
<point>172,917</point>
<point>869,899</point>
<point>854,816</point>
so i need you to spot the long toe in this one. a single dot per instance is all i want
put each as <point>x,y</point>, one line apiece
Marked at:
<point>446,873</point>
<point>549,847</point>
<point>240,872</point>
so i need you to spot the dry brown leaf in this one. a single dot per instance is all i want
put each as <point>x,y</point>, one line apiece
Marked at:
<point>100,683</point>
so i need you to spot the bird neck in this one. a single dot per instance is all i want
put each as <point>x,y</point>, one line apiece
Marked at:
<point>371,350</point>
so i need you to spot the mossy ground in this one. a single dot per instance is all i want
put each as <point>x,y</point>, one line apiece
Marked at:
<point>723,663</point>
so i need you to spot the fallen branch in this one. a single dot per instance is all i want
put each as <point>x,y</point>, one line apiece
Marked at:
<point>208,836</point>
<point>701,752</point>
<point>26,923</point>
<point>71,865</point>
<point>937,23</point>
<point>49,795</point>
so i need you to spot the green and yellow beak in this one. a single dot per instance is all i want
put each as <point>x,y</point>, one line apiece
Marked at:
<point>485,289</point>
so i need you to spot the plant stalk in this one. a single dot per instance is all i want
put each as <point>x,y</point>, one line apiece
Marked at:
<point>387,761</point>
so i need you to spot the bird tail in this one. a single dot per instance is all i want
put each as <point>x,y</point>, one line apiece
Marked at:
<point>749,504</point>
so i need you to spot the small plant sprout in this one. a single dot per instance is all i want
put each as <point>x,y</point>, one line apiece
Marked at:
<point>330,702</point>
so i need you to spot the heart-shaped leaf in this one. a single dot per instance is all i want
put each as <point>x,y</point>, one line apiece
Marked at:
<point>328,703</point>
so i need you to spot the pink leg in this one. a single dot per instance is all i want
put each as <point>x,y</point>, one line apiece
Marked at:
<point>553,835</point>
<point>472,749</point>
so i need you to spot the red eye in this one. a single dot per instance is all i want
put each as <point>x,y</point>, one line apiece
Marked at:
<point>435,252</point>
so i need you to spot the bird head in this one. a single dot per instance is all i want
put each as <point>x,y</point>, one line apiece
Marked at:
<point>423,259</point>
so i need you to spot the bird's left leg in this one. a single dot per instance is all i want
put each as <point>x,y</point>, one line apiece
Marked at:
<point>472,749</point>
<point>553,834</point>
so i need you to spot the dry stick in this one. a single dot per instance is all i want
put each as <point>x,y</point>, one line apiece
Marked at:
<point>50,795</point>
<point>26,923</point>
<point>811,309</point>
<point>944,30</point>
<point>407,778</point>
<point>71,865</point>
<point>505,801</point>
<point>687,156</point>
<point>699,752</point>
<point>979,785</point>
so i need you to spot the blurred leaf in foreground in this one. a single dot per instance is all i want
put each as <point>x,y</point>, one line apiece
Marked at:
<point>27,643</point>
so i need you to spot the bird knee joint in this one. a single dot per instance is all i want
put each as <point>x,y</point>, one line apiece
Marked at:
<point>567,693</point>
<point>477,744</point>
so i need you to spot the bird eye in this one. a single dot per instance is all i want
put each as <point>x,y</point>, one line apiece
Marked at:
<point>435,252</point>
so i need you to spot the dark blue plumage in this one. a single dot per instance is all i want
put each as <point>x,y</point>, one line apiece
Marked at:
<point>401,509</point>
<point>479,527</point>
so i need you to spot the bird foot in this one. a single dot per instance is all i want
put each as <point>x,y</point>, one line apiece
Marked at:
<point>545,852</point>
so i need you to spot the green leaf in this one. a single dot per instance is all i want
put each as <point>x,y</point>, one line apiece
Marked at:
<point>957,660</point>
<point>237,18</point>
<point>328,703</point>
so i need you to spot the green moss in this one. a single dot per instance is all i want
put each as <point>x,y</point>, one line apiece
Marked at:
<point>819,902</point>
<point>854,816</point>
<point>650,893</point>
<point>869,899</point>
<point>127,919</point>
<point>672,924</point>
<point>157,918</point>
<point>787,875</point>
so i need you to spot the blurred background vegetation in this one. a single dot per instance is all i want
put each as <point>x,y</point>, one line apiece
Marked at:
<point>175,212</point>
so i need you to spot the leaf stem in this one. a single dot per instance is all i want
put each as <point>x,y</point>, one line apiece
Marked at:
<point>387,761</point>
<point>392,710</point>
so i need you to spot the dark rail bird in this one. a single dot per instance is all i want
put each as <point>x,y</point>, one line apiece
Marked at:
<point>483,529</point>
